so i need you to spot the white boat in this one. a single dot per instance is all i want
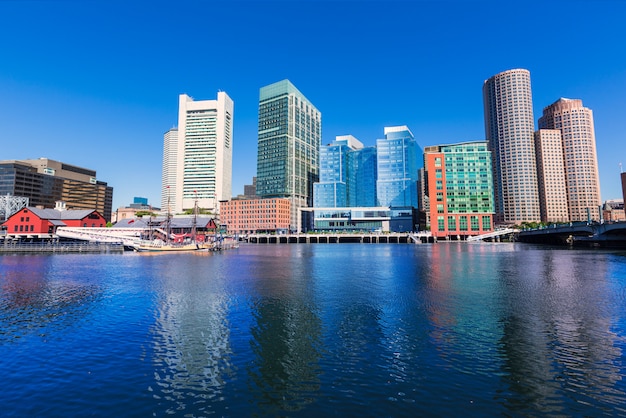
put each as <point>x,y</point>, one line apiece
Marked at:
<point>158,245</point>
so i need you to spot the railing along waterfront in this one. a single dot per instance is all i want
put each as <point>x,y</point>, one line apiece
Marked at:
<point>336,238</point>
<point>61,247</point>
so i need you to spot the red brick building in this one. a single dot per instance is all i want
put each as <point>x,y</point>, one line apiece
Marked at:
<point>255,215</point>
<point>34,222</point>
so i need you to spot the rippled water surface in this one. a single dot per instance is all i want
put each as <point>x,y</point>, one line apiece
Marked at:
<point>445,329</point>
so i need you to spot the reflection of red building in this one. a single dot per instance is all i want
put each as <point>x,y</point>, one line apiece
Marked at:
<point>31,222</point>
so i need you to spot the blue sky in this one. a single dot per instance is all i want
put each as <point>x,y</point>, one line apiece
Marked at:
<point>96,83</point>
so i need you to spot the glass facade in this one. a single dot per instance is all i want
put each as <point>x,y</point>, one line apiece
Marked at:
<point>347,175</point>
<point>469,178</point>
<point>460,189</point>
<point>289,139</point>
<point>397,166</point>
<point>362,173</point>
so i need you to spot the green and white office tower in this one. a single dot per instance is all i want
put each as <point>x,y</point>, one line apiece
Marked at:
<point>290,132</point>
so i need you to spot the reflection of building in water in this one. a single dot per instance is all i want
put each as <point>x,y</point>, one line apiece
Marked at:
<point>557,331</point>
<point>192,345</point>
<point>32,302</point>
<point>285,336</point>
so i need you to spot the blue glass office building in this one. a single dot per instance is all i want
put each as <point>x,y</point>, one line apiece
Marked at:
<point>362,173</point>
<point>397,166</point>
<point>347,174</point>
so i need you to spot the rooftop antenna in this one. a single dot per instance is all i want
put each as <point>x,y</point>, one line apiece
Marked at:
<point>620,168</point>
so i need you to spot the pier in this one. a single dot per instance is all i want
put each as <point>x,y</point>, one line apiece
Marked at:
<point>60,247</point>
<point>338,238</point>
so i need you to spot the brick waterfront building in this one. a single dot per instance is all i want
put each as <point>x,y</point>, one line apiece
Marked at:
<point>243,216</point>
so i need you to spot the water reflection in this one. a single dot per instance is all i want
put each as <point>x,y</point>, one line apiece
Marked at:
<point>317,330</point>
<point>558,345</point>
<point>284,372</point>
<point>37,298</point>
<point>285,333</point>
<point>191,337</point>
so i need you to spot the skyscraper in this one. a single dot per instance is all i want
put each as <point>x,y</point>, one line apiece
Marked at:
<point>203,154</point>
<point>579,155</point>
<point>168,175</point>
<point>509,129</point>
<point>290,130</point>
<point>361,177</point>
<point>397,165</point>
<point>551,176</point>
<point>332,189</point>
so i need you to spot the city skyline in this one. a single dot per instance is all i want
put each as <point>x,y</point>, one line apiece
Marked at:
<point>103,75</point>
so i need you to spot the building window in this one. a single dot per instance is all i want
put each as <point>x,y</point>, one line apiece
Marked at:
<point>474,223</point>
<point>451,223</point>
<point>440,225</point>
<point>463,223</point>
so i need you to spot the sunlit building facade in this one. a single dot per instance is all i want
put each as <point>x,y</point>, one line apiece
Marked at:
<point>551,176</point>
<point>203,154</point>
<point>45,182</point>
<point>579,156</point>
<point>289,139</point>
<point>509,130</point>
<point>460,189</point>
<point>244,216</point>
<point>168,174</point>
<point>397,165</point>
<point>346,179</point>
<point>362,174</point>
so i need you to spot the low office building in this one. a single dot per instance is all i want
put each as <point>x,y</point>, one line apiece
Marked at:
<point>44,182</point>
<point>460,189</point>
<point>613,210</point>
<point>365,219</point>
<point>244,216</point>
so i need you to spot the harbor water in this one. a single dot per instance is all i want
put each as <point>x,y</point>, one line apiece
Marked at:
<point>309,330</point>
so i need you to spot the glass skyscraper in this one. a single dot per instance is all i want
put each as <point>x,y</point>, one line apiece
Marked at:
<point>362,174</point>
<point>397,166</point>
<point>347,175</point>
<point>289,136</point>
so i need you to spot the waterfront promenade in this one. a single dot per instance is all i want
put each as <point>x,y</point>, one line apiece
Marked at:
<point>60,247</point>
<point>337,238</point>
